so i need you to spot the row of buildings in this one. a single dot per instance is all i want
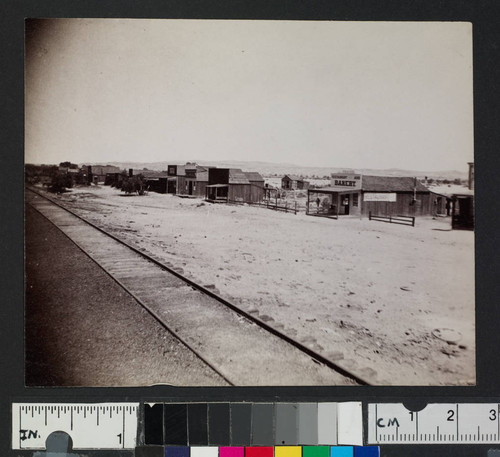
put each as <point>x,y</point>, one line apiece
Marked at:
<point>348,193</point>
<point>360,195</point>
<point>192,180</point>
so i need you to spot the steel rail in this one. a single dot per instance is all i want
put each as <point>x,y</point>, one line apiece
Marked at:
<point>310,352</point>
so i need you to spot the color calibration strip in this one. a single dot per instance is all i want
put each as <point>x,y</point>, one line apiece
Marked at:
<point>253,424</point>
<point>258,451</point>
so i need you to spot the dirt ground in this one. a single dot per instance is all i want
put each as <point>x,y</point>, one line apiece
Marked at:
<point>83,329</point>
<point>394,303</point>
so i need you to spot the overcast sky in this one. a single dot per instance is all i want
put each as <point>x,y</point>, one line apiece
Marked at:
<point>337,94</point>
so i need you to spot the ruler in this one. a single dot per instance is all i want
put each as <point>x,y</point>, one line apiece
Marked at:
<point>443,423</point>
<point>90,426</point>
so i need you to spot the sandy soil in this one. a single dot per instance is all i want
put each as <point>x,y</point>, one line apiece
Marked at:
<point>394,303</point>
<point>83,329</point>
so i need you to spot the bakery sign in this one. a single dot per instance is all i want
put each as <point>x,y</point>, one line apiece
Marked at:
<point>344,181</point>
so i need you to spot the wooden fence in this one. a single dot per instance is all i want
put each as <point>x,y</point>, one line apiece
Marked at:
<point>267,204</point>
<point>321,212</point>
<point>402,220</point>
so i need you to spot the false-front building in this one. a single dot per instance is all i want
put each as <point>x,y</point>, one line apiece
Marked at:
<point>356,194</point>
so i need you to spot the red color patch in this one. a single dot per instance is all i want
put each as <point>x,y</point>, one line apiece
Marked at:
<point>259,451</point>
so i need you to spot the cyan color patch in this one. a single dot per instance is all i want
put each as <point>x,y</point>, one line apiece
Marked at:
<point>341,451</point>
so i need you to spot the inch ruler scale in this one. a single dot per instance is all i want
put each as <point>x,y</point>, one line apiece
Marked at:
<point>90,425</point>
<point>117,426</point>
<point>437,423</point>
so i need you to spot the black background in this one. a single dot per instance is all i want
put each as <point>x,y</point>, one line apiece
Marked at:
<point>484,16</point>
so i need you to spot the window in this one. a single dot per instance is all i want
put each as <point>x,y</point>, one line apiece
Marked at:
<point>355,198</point>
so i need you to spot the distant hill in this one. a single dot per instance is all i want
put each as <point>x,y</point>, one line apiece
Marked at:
<point>268,169</point>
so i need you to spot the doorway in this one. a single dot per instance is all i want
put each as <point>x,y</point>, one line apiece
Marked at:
<point>344,201</point>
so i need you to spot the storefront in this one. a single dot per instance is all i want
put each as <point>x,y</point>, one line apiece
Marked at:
<point>341,198</point>
<point>356,195</point>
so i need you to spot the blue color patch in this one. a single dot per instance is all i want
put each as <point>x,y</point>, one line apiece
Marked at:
<point>366,451</point>
<point>341,451</point>
<point>177,451</point>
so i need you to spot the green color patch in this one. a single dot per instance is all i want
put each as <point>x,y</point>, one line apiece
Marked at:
<point>315,451</point>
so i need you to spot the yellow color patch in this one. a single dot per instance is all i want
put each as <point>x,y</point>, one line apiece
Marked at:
<point>288,451</point>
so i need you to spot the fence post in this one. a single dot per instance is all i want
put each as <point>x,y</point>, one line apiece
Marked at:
<point>295,208</point>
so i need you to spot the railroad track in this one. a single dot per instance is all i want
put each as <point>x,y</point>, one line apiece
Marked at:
<point>235,344</point>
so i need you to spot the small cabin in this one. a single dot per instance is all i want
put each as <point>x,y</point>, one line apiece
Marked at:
<point>293,182</point>
<point>233,184</point>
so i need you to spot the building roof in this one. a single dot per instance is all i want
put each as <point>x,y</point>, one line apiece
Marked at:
<point>253,176</point>
<point>448,190</point>
<point>150,173</point>
<point>236,176</point>
<point>391,184</point>
<point>103,169</point>
<point>293,177</point>
<point>156,177</point>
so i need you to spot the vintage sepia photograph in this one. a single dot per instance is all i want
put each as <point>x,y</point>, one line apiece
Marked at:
<point>249,203</point>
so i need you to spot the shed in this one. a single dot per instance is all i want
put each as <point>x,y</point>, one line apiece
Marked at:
<point>97,173</point>
<point>293,182</point>
<point>156,182</point>
<point>233,184</point>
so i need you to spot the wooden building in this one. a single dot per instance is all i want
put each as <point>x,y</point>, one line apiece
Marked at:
<point>115,179</point>
<point>355,194</point>
<point>471,175</point>
<point>172,179</point>
<point>233,184</point>
<point>97,173</point>
<point>192,181</point>
<point>462,207</point>
<point>293,182</point>
<point>156,182</point>
<point>459,205</point>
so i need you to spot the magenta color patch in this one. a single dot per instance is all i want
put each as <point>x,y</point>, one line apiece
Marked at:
<point>233,451</point>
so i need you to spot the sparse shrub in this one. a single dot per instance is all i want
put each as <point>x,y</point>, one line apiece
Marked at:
<point>60,183</point>
<point>133,184</point>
